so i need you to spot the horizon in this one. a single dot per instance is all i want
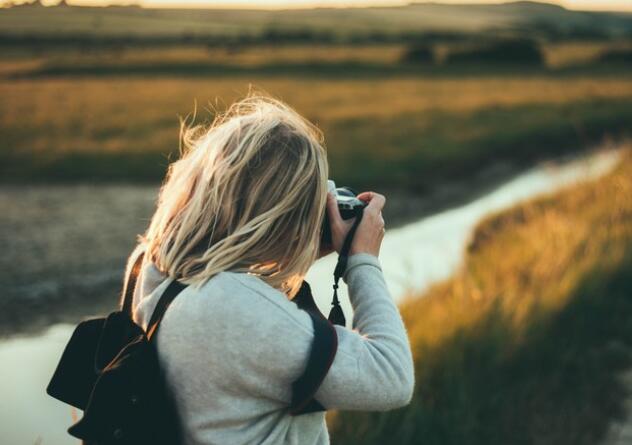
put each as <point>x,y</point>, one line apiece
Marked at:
<point>575,5</point>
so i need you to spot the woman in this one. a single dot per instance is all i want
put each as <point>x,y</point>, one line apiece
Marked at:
<point>238,219</point>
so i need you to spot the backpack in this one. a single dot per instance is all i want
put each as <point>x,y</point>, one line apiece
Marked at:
<point>110,369</point>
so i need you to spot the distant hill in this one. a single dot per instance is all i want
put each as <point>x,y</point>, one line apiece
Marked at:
<point>380,22</point>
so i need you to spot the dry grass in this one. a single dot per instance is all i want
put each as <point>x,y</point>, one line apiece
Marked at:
<point>25,59</point>
<point>55,115</point>
<point>531,257</point>
<point>123,127</point>
<point>524,344</point>
<point>176,22</point>
<point>248,56</point>
<point>576,53</point>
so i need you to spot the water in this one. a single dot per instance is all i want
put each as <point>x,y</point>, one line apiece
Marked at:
<point>429,250</point>
<point>27,414</point>
<point>412,257</point>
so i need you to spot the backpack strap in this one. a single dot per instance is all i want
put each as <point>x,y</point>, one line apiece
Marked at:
<point>165,300</point>
<point>130,284</point>
<point>321,357</point>
<point>167,297</point>
<point>325,343</point>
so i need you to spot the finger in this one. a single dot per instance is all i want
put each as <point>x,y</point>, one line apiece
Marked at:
<point>332,210</point>
<point>369,196</point>
<point>366,196</point>
<point>376,204</point>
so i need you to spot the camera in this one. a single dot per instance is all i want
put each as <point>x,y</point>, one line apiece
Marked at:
<point>348,205</point>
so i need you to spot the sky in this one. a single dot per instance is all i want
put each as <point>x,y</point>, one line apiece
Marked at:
<point>598,5</point>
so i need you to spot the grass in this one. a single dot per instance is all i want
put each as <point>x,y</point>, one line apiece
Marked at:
<point>314,60</point>
<point>456,146</point>
<point>524,344</point>
<point>212,22</point>
<point>429,129</point>
<point>376,23</point>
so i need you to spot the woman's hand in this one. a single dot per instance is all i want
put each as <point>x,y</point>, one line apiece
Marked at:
<point>369,234</point>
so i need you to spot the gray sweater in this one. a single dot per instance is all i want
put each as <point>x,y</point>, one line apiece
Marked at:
<point>232,350</point>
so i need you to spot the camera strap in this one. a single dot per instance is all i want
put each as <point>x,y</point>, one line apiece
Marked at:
<point>336,315</point>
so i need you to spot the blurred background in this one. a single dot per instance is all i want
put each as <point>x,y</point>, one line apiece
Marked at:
<point>499,133</point>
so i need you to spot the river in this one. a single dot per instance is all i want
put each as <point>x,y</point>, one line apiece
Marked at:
<point>412,257</point>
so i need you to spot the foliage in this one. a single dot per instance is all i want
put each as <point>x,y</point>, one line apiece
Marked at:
<point>623,55</point>
<point>516,52</point>
<point>418,54</point>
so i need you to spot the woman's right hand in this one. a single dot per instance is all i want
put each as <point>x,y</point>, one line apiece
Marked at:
<point>369,234</point>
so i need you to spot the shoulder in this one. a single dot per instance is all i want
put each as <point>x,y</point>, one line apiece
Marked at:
<point>252,300</point>
<point>253,317</point>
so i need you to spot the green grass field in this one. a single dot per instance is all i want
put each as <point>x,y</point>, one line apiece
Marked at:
<point>524,344</point>
<point>77,110</point>
<point>430,129</point>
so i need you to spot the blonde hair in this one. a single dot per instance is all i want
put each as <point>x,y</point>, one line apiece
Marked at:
<point>248,194</point>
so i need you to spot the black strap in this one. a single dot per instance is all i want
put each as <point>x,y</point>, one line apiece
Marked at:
<point>321,357</point>
<point>165,300</point>
<point>336,316</point>
<point>130,284</point>
<point>172,291</point>
<point>325,343</point>
<point>346,245</point>
<point>304,299</point>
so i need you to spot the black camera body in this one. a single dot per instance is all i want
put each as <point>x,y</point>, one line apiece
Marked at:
<point>348,204</point>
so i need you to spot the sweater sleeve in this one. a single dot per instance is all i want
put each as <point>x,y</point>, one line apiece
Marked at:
<point>373,368</point>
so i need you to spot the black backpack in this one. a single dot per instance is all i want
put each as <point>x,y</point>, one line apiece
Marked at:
<point>110,369</point>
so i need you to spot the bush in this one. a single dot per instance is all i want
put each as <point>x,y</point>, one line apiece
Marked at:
<point>418,54</point>
<point>515,52</point>
<point>616,56</point>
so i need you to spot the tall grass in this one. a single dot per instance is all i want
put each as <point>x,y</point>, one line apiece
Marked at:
<point>430,131</point>
<point>523,345</point>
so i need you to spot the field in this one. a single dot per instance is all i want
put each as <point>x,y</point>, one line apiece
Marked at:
<point>60,123</point>
<point>95,94</point>
<point>335,23</point>
<point>525,344</point>
<point>424,103</point>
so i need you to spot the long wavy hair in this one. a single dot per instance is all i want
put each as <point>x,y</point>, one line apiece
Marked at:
<point>248,194</point>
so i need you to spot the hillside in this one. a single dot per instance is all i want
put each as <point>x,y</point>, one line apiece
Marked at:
<point>334,23</point>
